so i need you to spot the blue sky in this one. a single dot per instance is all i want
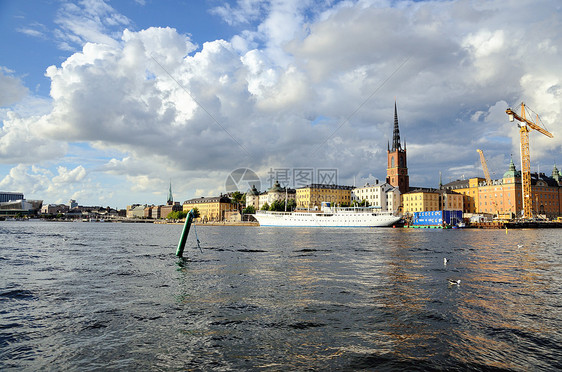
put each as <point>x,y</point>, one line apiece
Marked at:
<point>29,27</point>
<point>105,102</point>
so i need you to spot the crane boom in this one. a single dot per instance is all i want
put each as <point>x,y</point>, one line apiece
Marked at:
<point>485,167</point>
<point>523,119</point>
<point>526,155</point>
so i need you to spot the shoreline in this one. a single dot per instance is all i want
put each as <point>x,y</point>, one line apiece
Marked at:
<point>223,223</point>
<point>481,225</point>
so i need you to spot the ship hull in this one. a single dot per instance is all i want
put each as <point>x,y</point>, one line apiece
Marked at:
<point>311,219</point>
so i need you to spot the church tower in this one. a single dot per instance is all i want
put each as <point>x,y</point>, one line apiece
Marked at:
<point>397,168</point>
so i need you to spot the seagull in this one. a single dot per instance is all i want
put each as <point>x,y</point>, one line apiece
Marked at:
<point>519,245</point>
<point>454,282</point>
<point>445,260</point>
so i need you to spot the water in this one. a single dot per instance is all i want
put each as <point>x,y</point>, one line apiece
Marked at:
<point>104,296</point>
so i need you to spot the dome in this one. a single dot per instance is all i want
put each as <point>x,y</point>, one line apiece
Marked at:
<point>254,191</point>
<point>511,172</point>
<point>276,187</point>
<point>556,174</point>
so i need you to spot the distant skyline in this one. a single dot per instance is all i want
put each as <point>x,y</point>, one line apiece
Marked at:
<point>105,102</point>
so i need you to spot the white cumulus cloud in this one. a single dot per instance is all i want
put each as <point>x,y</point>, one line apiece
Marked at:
<point>12,89</point>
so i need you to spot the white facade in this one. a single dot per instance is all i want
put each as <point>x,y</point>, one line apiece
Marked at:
<point>393,200</point>
<point>263,198</point>
<point>270,197</point>
<point>253,198</point>
<point>380,195</point>
<point>135,211</point>
<point>21,205</point>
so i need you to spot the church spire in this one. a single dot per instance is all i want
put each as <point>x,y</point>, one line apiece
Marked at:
<point>396,136</point>
<point>170,197</point>
<point>556,173</point>
<point>397,170</point>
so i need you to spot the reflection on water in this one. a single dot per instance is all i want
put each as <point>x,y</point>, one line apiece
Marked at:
<point>112,296</point>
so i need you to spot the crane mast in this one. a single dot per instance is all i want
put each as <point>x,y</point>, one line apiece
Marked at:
<point>524,128</point>
<point>485,167</point>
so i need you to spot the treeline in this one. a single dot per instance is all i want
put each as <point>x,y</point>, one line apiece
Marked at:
<point>279,206</point>
<point>180,215</point>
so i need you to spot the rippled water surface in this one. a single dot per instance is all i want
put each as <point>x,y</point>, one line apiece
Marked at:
<point>106,296</point>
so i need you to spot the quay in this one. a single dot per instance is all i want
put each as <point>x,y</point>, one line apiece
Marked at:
<point>227,223</point>
<point>496,225</point>
<point>516,225</point>
<point>214,223</point>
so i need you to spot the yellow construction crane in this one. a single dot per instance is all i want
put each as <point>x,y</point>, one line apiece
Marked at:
<point>525,127</point>
<point>485,167</point>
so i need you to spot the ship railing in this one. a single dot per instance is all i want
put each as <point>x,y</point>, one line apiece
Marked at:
<point>272,212</point>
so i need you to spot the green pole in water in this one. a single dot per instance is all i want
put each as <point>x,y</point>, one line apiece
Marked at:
<point>185,232</point>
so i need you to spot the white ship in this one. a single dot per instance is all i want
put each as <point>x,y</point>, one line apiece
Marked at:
<point>329,217</point>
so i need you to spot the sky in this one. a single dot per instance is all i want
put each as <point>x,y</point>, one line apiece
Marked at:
<point>108,102</point>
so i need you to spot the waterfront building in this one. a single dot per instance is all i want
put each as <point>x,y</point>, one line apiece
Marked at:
<point>147,211</point>
<point>469,190</point>
<point>54,209</point>
<point>380,195</point>
<point>210,208</point>
<point>313,195</point>
<point>450,200</point>
<point>20,207</point>
<point>165,210</point>
<point>397,165</point>
<point>10,196</point>
<point>13,203</point>
<point>420,200</point>
<point>503,198</point>
<point>253,198</point>
<point>393,199</point>
<point>276,192</point>
<point>84,212</point>
<point>136,210</point>
<point>78,213</point>
<point>262,199</point>
<point>424,200</point>
<point>155,212</point>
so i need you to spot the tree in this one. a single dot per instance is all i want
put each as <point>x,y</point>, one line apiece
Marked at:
<point>265,207</point>
<point>196,213</point>
<point>249,210</point>
<point>277,205</point>
<point>237,198</point>
<point>363,203</point>
<point>291,204</point>
<point>176,215</point>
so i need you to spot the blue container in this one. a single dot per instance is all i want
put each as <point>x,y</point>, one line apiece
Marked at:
<point>437,218</point>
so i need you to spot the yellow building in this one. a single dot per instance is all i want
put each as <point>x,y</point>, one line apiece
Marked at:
<point>423,200</point>
<point>312,196</point>
<point>420,201</point>
<point>210,209</point>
